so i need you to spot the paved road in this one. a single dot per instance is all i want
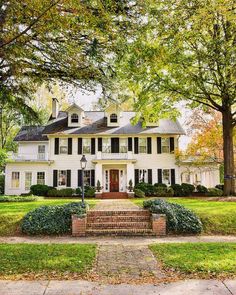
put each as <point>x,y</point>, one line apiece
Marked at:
<point>190,287</point>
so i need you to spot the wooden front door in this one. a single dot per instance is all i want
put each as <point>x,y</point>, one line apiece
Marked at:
<point>114,180</point>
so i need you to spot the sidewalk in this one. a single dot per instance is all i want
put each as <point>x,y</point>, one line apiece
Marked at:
<point>190,287</point>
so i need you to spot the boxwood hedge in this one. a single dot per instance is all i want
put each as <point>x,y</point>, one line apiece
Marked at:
<point>51,220</point>
<point>179,219</point>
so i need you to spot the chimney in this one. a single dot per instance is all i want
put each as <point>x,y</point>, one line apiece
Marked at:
<point>55,107</point>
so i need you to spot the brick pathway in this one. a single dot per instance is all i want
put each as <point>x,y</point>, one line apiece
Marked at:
<point>115,205</point>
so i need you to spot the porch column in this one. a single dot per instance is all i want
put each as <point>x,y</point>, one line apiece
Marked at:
<point>130,173</point>
<point>98,174</point>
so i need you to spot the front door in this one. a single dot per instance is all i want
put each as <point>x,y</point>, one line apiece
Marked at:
<point>114,180</point>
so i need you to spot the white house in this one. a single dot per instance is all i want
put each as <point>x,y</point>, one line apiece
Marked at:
<point>116,151</point>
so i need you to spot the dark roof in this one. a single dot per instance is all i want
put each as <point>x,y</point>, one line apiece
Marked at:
<point>31,133</point>
<point>95,123</point>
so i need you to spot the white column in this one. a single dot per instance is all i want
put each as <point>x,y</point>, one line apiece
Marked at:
<point>130,173</point>
<point>98,174</point>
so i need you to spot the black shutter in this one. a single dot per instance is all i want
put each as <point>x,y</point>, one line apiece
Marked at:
<point>130,144</point>
<point>149,145</point>
<point>136,176</point>
<point>159,175</point>
<point>172,144</point>
<point>79,146</point>
<point>150,176</point>
<point>56,146</point>
<point>172,176</point>
<point>100,144</point>
<point>69,146</point>
<point>79,178</point>
<point>93,146</point>
<point>115,145</point>
<point>68,178</point>
<point>136,145</point>
<point>159,145</point>
<point>54,178</point>
<point>92,177</point>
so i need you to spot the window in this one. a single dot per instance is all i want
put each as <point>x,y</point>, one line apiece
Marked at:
<point>40,177</point>
<point>113,118</point>
<point>106,180</point>
<point>62,177</point>
<point>142,175</point>
<point>166,176</point>
<point>86,145</point>
<point>123,145</point>
<point>87,178</point>
<point>106,145</point>
<point>15,180</point>
<point>63,145</point>
<point>165,145</point>
<point>28,180</point>
<point>41,152</point>
<point>74,118</point>
<point>142,145</point>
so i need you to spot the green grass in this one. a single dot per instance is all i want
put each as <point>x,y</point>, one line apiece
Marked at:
<point>217,217</point>
<point>12,213</point>
<point>201,258</point>
<point>45,259</point>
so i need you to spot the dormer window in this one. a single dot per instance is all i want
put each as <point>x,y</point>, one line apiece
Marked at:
<point>113,118</point>
<point>74,118</point>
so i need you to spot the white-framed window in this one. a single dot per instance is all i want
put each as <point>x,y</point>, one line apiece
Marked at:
<point>166,176</point>
<point>86,145</point>
<point>40,177</point>
<point>62,177</point>
<point>74,118</point>
<point>63,145</point>
<point>28,180</point>
<point>142,145</point>
<point>106,145</point>
<point>113,118</point>
<point>15,179</point>
<point>143,175</point>
<point>123,145</point>
<point>87,177</point>
<point>41,152</point>
<point>165,145</point>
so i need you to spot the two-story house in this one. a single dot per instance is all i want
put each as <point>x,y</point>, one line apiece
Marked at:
<point>116,150</point>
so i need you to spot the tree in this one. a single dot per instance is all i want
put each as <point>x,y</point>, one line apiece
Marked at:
<point>187,52</point>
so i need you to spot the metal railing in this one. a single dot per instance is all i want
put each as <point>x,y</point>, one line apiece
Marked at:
<point>28,157</point>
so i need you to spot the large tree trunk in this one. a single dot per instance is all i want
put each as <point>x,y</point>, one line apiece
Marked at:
<point>229,181</point>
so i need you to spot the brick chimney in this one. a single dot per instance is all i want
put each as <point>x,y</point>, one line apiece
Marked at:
<point>55,107</point>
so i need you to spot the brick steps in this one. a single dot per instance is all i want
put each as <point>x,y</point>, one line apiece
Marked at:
<point>119,225</point>
<point>99,213</point>
<point>114,195</point>
<point>117,218</point>
<point>119,232</point>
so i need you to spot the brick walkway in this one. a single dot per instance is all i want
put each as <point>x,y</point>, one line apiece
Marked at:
<point>127,262</point>
<point>115,205</point>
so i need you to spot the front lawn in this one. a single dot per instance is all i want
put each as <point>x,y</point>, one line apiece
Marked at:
<point>217,217</point>
<point>12,213</point>
<point>45,260</point>
<point>206,259</point>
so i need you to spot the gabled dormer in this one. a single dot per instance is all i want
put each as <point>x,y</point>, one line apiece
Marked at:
<point>113,114</point>
<point>75,116</point>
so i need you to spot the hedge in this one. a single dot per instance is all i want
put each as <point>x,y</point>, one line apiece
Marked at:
<point>179,219</point>
<point>40,189</point>
<point>214,192</point>
<point>17,199</point>
<point>64,192</point>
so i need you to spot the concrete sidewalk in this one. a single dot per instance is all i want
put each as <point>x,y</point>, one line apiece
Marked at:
<point>190,287</point>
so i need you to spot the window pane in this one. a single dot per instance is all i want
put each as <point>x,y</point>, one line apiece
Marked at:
<point>15,180</point>
<point>87,180</point>
<point>142,175</point>
<point>113,118</point>
<point>40,177</point>
<point>28,180</point>
<point>106,145</point>
<point>74,118</point>
<point>123,145</point>
<point>86,145</point>
<point>62,178</point>
<point>63,146</point>
<point>166,176</point>
<point>142,145</point>
<point>165,147</point>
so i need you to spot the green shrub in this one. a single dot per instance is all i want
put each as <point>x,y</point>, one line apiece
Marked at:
<point>179,219</point>
<point>164,192</point>
<point>89,191</point>
<point>64,192</point>
<point>188,189</point>
<point>160,185</point>
<point>18,198</point>
<point>51,220</point>
<point>39,189</point>
<point>215,192</point>
<point>2,184</point>
<point>138,193</point>
<point>201,189</point>
<point>178,190</point>
<point>147,188</point>
<point>220,186</point>
<point>78,191</point>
